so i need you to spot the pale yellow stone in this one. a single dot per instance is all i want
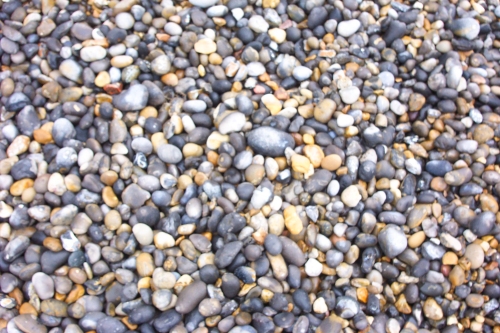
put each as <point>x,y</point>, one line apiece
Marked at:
<point>205,46</point>
<point>292,220</point>
<point>272,103</point>
<point>192,149</point>
<point>215,139</point>
<point>300,163</point>
<point>18,146</point>
<point>277,35</point>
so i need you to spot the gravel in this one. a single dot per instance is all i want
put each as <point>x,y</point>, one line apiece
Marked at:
<point>249,166</point>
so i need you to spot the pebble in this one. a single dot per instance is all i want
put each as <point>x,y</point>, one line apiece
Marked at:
<point>169,153</point>
<point>348,28</point>
<point>392,240</point>
<point>269,141</point>
<point>349,95</point>
<point>132,99</point>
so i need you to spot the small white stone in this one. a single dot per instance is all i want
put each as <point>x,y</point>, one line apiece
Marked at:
<point>348,28</point>
<point>258,24</point>
<point>319,305</point>
<point>333,188</point>
<point>69,241</point>
<point>349,95</point>
<point>124,20</point>
<point>313,267</point>
<point>301,73</point>
<point>143,233</point>
<point>345,120</point>
<point>351,197</point>
<point>85,155</point>
<point>260,197</point>
<point>398,108</point>
<point>413,166</point>
<point>238,13</point>
<point>163,240</point>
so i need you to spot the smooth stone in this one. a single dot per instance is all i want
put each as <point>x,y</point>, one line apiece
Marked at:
<point>92,53</point>
<point>132,99</point>
<point>143,233</point>
<point>233,122</point>
<point>161,65</point>
<point>44,285</point>
<point>392,240</point>
<point>169,153</point>
<point>269,141</point>
<point>302,73</point>
<point>71,70</point>
<point>194,106</point>
<point>465,27</point>
<point>203,3</point>
<point>190,297</point>
<point>348,28</point>
<point>350,95</point>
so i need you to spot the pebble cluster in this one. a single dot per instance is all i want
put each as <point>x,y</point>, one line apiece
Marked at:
<point>249,166</point>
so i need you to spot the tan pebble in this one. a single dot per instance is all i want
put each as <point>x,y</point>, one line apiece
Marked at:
<point>18,187</point>
<point>457,276</point>
<point>475,254</point>
<point>276,224</point>
<point>42,136</point>
<point>416,239</point>
<point>109,177</point>
<point>277,35</point>
<point>450,258</point>
<point>279,267</point>
<point>109,197</point>
<point>270,3</point>
<point>315,154</point>
<point>7,87</point>
<point>432,310</point>
<point>255,173</point>
<point>438,184</point>
<point>157,140</point>
<point>215,139</point>
<point>293,222</point>
<point>323,112</point>
<point>27,308</point>
<point>73,183</point>
<point>192,150</point>
<point>273,104</point>
<point>145,265</point>
<point>77,275</point>
<point>75,294</point>
<point>5,212</point>
<point>102,79</point>
<point>488,203</point>
<point>18,146</point>
<point>170,79</point>
<point>205,46</point>
<point>112,220</point>
<point>121,61</point>
<point>28,195</point>
<point>163,240</point>
<point>483,133</point>
<point>331,162</point>
<point>53,244</point>
<point>300,163</point>
<point>306,111</point>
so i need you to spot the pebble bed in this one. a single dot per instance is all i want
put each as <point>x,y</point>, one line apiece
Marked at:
<point>249,166</point>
